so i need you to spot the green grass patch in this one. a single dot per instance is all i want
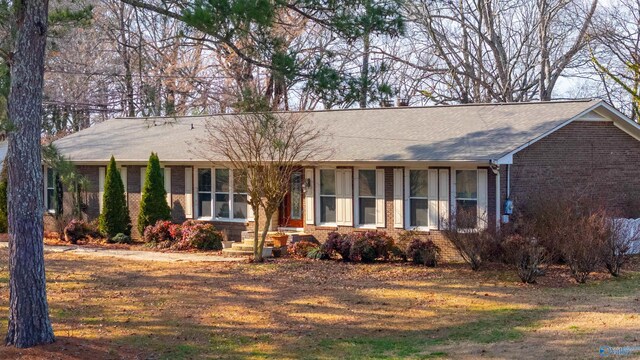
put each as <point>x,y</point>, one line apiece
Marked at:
<point>496,325</point>
<point>372,348</point>
<point>505,324</point>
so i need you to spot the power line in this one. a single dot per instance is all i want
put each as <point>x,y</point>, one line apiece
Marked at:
<point>219,77</point>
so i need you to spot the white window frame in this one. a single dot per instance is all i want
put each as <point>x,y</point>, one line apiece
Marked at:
<point>47,188</point>
<point>319,196</point>
<point>407,199</point>
<point>479,193</point>
<point>378,196</point>
<point>196,195</point>
<point>356,196</point>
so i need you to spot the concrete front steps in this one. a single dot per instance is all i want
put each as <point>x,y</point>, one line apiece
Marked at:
<point>245,247</point>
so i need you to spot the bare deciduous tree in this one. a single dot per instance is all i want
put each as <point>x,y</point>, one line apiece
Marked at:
<point>497,50</point>
<point>267,147</point>
<point>615,41</point>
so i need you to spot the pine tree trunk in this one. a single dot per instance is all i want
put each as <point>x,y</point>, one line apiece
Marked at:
<point>29,322</point>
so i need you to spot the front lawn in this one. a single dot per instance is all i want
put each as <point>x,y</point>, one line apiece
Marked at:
<point>112,308</point>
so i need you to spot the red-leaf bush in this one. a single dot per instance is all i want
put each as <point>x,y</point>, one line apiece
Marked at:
<point>423,252</point>
<point>202,236</point>
<point>76,230</point>
<point>338,244</point>
<point>371,245</point>
<point>158,233</point>
<point>363,249</point>
<point>188,235</point>
<point>358,246</point>
<point>301,249</point>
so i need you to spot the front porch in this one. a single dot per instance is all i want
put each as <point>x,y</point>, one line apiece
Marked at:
<point>272,246</point>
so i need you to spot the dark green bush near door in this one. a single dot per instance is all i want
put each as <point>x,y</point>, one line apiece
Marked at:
<point>153,206</point>
<point>114,218</point>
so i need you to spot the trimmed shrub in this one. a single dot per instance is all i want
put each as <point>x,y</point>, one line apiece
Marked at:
<point>383,243</point>
<point>370,244</point>
<point>76,230</point>
<point>120,239</point>
<point>159,232</point>
<point>363,249</point>
<point>423,252</point>
<point>302,248</point>
<point>338,243</point>
<point>527,255</point>
<point>153,205</point>
<point>114,218</point>
<point>201,236</point>
<point>175,231</point>
<point>405,239</point>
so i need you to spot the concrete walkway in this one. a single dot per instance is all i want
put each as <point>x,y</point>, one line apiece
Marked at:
<point>135,254</point>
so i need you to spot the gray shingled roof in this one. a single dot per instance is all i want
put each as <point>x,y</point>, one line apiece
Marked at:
<point>436,133</point>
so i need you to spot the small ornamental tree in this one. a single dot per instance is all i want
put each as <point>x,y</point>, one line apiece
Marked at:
<point>268,147</point>
<point>114,218</point>
<point>153,206</point>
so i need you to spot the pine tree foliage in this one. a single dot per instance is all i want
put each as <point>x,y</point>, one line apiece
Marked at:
<point>153,206</point>
<point>114,218</point>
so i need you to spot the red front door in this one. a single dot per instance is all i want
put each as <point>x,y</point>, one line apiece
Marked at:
<point>291,210</point>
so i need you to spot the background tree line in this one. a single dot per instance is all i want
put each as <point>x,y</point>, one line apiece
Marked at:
<point>110,58</point>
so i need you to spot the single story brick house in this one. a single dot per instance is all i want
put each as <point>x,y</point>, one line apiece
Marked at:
<point>392,168</point>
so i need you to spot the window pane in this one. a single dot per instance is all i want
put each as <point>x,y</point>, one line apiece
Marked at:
<point>367,211</point>
<point>327,182</point>
<point>222,180</point>
<point>466,184</point>
<point>418,183</point>
<point>327,209</point>
<point>239,181</point>
<point>51,202</point>
<point>367,182</point>
<point>204,204</point>
<point>419,213</point>
<point>466,213</point>
<point>204,180</point>
<point>222,205</point>
<point>239,206</point>
<point>296,196</point>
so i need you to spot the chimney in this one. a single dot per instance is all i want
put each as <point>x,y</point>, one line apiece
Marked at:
<point>386,103</point>
<point>401,102</point>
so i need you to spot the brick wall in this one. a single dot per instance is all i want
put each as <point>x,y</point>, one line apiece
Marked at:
<point>448,252</point>
<point>588,158</point>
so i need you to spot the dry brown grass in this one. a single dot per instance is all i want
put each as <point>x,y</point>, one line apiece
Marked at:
<point>106,308</point>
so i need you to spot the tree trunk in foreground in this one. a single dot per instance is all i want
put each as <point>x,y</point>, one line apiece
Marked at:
<point>29,323</point>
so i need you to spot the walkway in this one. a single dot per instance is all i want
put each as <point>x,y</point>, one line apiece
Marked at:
<point>135,254</point>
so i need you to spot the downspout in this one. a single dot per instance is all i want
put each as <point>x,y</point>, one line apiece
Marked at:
<point>508,181</point>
